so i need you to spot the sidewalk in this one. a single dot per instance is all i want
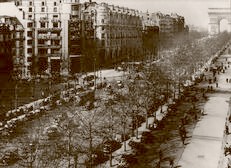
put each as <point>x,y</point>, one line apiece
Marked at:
<point>206,144</point>
<point>205,149</point>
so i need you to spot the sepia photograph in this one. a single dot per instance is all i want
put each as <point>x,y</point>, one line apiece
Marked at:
<point>115,83</point>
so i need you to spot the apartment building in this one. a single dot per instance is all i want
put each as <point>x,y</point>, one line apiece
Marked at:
<point>46,35</point>
<point>118,32</point>
<point>150,34</point>
<point>64,37</point>
<point>17,44</point>
<point>6,58</point>
<point>170,26</point>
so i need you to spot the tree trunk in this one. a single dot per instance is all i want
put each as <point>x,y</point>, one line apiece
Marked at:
<point>124,136</point>
<point>90,144</point>
<point>76,160</point>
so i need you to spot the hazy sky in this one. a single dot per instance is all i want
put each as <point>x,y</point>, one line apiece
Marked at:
<point>194,11</point>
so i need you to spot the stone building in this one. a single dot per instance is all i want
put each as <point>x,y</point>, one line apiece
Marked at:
<point>46,34</point>
<point>63,37</point>
<point>150,35</point>
<point>6,57</point>
<point>118,32</point>
<point>17,44</point>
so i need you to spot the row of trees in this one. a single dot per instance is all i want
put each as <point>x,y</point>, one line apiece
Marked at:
<point>80,132</point>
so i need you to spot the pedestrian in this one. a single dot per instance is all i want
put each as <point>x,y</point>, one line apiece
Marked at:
<point>211,88</point>
<point>182,121</point>
<point>229,163</point>
<point>230,118</point>
<point>226,129</point>
<point>216,85</point>
<point>171,163</point>
<point>210,81</point>
<point>195,116</point>
<point>227,80</point>
<point>214,79</point>
<point>181,134</point>
<point>182,138</point>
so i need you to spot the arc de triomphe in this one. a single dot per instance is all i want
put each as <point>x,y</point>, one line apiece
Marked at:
<point>215,16</point>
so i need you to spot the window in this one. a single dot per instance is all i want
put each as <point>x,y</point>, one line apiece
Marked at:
<point>29,59</point>
<point>29,33</point>
<point>29,24</point>
<point>29,17</point>
<point>30,3</point>
<point>103,35</point>
<point>43,3</point>
<point>102,21</point>
<point>55,24</point>
<point>55,9</point>
<point>30,9</point>
<point>55,16</point>
<point>29,42</point>
<point>42,25</point>
<point>102,27</point>
<point>40,41</point>
<point>42,9</point>
<point>29,50</point>
<point>42,51</point>
<point>55,3</point>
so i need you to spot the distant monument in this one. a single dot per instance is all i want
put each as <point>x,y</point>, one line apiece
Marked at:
<point>215,17</point>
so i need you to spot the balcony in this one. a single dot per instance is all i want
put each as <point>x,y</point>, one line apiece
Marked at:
<point>43,46</point>
<point>43,37</point>
<point>43,19</point>
<point>40,30</point>
<point>74,38</point>
<point>55,20</point>
<point>55,29</point>
<point>30,18</point>
<point>19,29</point>
<point>21,38</point>
<point>55,46</point>
<point>55,37</point>
<point>55,55</point>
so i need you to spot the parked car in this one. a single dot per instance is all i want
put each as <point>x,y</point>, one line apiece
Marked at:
<point>111,146</point>
<point>127,160</point>
<point>89,78</point>
<point>147,137</point>
<point>138,147</point>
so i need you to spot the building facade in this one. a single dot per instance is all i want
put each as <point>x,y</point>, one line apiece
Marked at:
<point>6,57</point>
<point>63,37</point>
<point>17,44</point>
<point>150,35</point>
<point>118,32</point>
<point>170,27</point>
<point>46,35</point>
